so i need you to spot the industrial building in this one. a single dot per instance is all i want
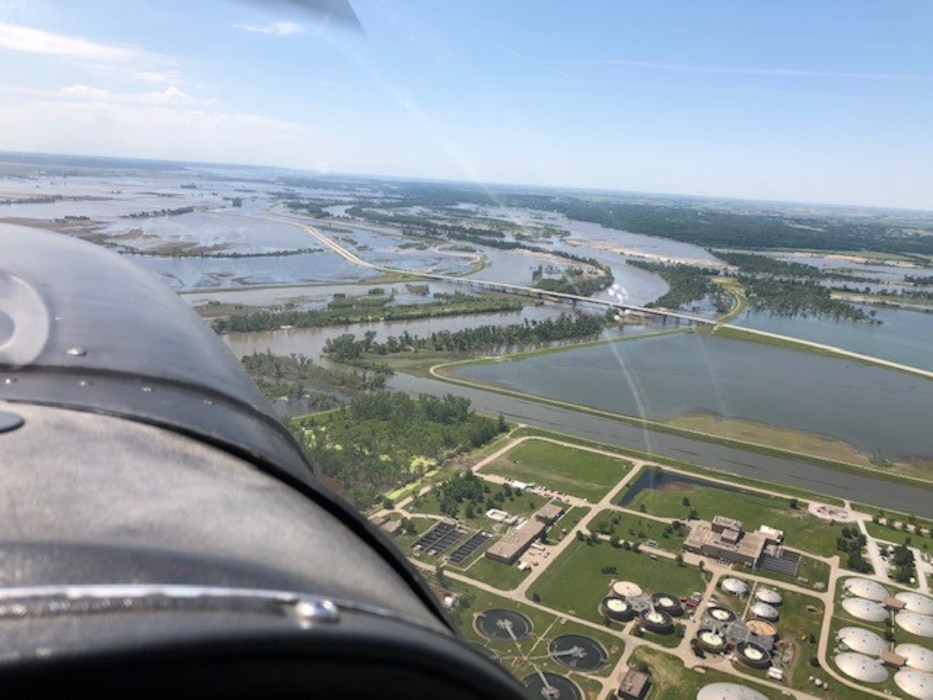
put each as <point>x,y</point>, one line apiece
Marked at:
<point>516,541</point>
<point>634,685</point>
<point>549,513</point>
<point>723,538</point>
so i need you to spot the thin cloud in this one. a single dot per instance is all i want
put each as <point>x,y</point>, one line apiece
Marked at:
<point>84,92</point>
<point>171,95</point>
<point>15,37</point>
<point>766,72</point>
<point>274,28</point>
<point>80,93</point>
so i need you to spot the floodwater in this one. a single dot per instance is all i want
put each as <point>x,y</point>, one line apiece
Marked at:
<point>314,296</point>
<point>310,341</point>
<point>903,336</point>
<point>880,411</point>
<point>183,273</point>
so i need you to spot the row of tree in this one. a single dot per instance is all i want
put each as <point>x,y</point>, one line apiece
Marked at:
<point>356,309</point>
<point>790,298</point>
<point>347,347</point>
<point>177,211</point>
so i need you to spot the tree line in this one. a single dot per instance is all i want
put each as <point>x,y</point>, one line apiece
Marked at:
<point>788,298</point>
<point>347,347</point>
<point>343,312</point>
<point>687,284</point>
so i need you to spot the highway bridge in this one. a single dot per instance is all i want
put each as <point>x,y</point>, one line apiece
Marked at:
<point>505,287</point>
<point>617,306</point>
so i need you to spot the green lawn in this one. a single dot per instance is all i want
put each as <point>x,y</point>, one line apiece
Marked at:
<point>574,582</point>
<point>565,523</point>
<point>685,466</point>
<point>495,573</point>
<point>889,534</point>
<point>516,503</point>
<point>669,678</point>
<point>671,641</point>
<point>573,471</point>
<point>634,528</point>
<point>801,530</point>
<point>421,525</point>
<point>590,686</point>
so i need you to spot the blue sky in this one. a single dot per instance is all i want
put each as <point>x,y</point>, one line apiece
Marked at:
<point>828,101</point>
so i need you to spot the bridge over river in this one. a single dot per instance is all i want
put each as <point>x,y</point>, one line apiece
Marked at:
<point>620,307</point>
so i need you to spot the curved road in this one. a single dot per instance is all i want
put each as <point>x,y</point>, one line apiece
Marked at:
<point>797,473</point>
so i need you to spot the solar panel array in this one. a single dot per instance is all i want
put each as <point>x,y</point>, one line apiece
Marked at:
<point>787,563</point>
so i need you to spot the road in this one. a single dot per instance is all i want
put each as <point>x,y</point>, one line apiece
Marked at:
<point>786,471</point>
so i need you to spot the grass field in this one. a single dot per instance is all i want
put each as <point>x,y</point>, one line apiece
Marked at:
<point>683,465</point>
<point>516,503</point>
<point>801,529</point>
<point>671,641</point>
<point>889,534</point>
<point>566,469</point>
<point>669,678</point>
<point>774,436</point>
<point>495,573</point>
<point>574,583</point>
<point>635,528</point>
<point>566,522</point>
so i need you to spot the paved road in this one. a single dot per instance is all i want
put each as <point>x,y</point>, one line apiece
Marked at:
<point>797,473</point>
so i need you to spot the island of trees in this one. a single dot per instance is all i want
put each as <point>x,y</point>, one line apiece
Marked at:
<point>348,348</point>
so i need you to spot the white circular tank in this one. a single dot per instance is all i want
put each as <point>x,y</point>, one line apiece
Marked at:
<point>916,684</point>
<point>769,596</point>
<point>918,658</point>
<point>915,623</point>
<point>735,586</point>
<point>861,668</point>
<point>862,640</point>
<point>916,602</point>
<point>865,588</point>
<point>865,609</point>
<point>763,611</point>
<point>729,691</point>
<point>626,589</point>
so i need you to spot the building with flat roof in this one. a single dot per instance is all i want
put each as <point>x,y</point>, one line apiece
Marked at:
<point>516,541</point>
<point>723,538</point>
<point>721,523</point>
<point>634,685</point>
<point>549,513</point>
